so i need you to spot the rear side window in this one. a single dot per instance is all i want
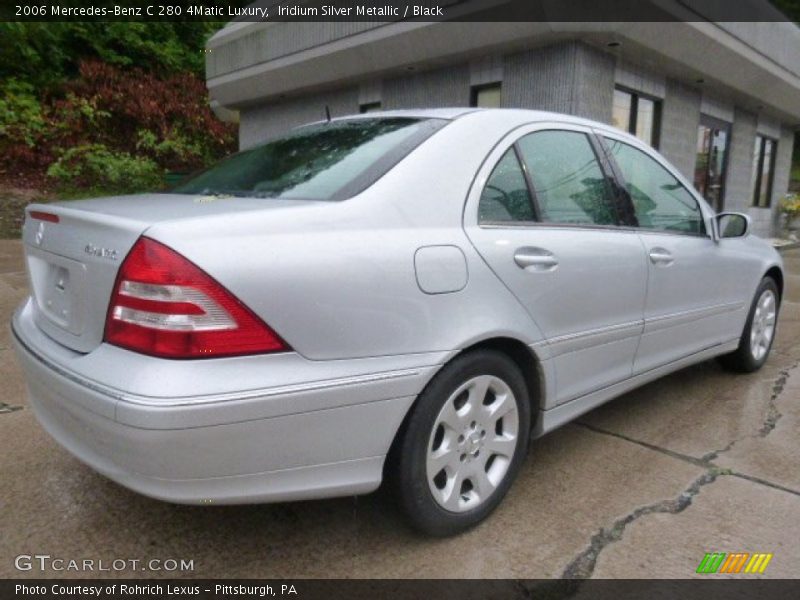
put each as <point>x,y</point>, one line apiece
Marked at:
<point>329,161</point>
<point>569,185</point>
<point>659,200</point>
<point>505,196</point>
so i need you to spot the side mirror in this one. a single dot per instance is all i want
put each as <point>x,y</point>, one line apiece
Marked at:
<point>733,225</point>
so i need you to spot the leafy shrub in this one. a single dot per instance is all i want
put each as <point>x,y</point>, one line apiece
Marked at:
<point>21,115</point>
<point>95,167</point>
<point>790,205</point>
<point>163,119</point>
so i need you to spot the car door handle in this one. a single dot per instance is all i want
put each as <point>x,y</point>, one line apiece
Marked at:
<point>535,259</point>
<point>660,256</point>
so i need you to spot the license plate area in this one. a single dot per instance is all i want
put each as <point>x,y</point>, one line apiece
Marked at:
<point>59,285</point>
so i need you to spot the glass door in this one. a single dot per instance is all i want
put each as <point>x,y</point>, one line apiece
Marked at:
<point>713,140</point>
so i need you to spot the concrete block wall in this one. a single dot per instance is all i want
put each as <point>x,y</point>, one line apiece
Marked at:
<point>568,77</point>
<point>680,116</point>
<point>540,79</point>
<point>739,182</point>
<point>261,123</point>
<point>431,89</point>
<point>594,83</point>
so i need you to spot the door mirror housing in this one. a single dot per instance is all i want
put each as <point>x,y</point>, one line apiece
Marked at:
<point>732,225</point>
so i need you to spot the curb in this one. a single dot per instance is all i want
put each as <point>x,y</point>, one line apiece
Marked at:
<point>785,247</point>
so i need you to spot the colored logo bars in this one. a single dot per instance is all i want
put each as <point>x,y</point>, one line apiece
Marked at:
<point>736,562</point>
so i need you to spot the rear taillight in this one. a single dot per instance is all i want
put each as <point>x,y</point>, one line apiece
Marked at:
<point>164,305</point>
<point>43,216</point>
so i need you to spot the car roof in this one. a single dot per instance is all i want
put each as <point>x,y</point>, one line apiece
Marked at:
<point>426,113</point>
<point>512,116</point>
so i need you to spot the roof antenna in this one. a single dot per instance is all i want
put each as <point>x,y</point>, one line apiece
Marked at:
<point>328,113</point>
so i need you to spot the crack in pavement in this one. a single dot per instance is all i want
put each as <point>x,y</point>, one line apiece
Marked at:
<point>583,565</point>
<point>771,419</point>
<point>773,414</point>
<point>8,408</point>
<point>760,481</point>
<point>700,462</point>
<point>704,462</point>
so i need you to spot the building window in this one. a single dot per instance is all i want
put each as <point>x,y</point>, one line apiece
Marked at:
<point>763,170</point>
<point>486,96</point>
<point>713,138</point>
<point>369,107</point>
<point>637,114</point>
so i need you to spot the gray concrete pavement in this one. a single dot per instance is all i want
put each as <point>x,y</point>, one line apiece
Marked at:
<point>700,461</point>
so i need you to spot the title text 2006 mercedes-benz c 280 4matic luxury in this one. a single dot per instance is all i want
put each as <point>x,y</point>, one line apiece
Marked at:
<point>407,296</point>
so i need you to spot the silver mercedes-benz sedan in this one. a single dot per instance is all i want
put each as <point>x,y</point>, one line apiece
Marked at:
<point>403,296</point>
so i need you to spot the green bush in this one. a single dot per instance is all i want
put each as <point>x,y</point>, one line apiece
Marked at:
<point>75,94</point>
<point>21,115</point>
<point>97,169</point>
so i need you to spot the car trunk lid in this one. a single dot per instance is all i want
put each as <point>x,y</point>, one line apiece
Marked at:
<point>74,251</point>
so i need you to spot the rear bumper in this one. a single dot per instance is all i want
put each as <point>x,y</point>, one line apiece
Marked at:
<point>237,447</point>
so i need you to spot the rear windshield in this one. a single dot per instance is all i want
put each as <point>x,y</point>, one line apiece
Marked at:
<point>328,161</point>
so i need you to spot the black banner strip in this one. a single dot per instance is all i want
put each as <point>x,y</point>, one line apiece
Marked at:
<point>390,10</point>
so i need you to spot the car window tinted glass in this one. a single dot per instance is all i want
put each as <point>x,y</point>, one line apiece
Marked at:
<point>505,196</point>
<point>568,183</point>
<point>328,161</point>
<point>659,199</point>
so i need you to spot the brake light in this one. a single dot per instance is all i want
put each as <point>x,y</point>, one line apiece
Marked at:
<point>43,216</point>
<point>164,305</point>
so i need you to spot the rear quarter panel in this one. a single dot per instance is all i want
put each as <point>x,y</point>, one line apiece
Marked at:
<point>337,280</point>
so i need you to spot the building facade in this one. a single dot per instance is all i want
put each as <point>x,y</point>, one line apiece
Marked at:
<point>721,101</point>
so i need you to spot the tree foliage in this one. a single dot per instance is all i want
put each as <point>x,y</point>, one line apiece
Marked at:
<point>45,54</point>
<point>791,8</point>
<point>75,94</point>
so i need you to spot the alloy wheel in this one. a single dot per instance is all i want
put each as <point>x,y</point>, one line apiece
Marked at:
<point>472,443</point>
<point>763,326</point>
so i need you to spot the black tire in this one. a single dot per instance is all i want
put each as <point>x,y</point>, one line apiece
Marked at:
<point>743,360</point>
<point>408,460</point>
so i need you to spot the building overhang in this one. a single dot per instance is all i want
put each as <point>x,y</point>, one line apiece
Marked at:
<point>755,64</point>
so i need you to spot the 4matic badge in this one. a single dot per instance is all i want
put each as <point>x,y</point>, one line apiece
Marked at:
<point>108,253</point>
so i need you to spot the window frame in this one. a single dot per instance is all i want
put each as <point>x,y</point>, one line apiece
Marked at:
<point>756,184</point>
<point>475,90</point>
<point>630,211</point>
<point>715,123</point>
<point>633,117</point>
<point>368,107</point>
<point>511,141</point>
<point>514,149</point>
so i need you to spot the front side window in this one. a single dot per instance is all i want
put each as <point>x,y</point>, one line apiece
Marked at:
<point>659,200</point>
<point>763,170</point>
<point>506,197</point>
<point>569,185</point>
<point>328,161</point>
<point>637,114</point>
